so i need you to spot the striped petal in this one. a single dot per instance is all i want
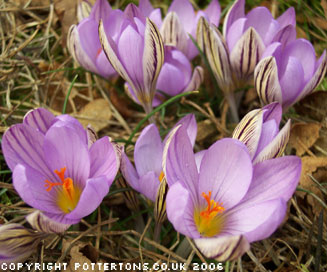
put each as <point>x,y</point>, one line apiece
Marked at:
<point>277,146</point>
<point>223,248</point>
<point>266,81</point>
<point>196,80</point>
<point>153,58</point>
<point>40,119</point>
<point>249,130</point>
<point>246,54</point>
<point>213,46</point>
<point>173,33</point>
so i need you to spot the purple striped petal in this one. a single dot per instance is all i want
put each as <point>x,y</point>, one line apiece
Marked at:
<point>40,119</point>
<point>42,223</point>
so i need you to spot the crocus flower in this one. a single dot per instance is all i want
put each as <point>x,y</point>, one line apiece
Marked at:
<point>181,21</point>
<point>83,40</point>
<point>234,55</point>
<point>287,74</point>
<point>229,202</point>
<point>54,169</point>
<point>137,54</point>
<point>147,174</point>
<point>259,131</point>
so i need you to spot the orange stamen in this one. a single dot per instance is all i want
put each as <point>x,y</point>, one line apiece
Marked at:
<point>213,207</point>
<point>161,177</point>
<point>99,52</point>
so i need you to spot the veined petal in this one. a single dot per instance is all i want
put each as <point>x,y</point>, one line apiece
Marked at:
<point>248,131</point>
<point>266,81</point>
<point>235,12</point>
<point>129,173</point>
<point>268,133</point>
<point>246,53</point>
<point>196,80</point>
<point>42,223</point>
<point>223,248</point>
<point>148,151</point>
<point>40,119</point>
<point>287,18</point>
<point>213,46</point>
<point>153,58</point>
<point>273,111</point>
<point>83,10</point>
<point>228,180</point>
<point>100,10</point>
<point>285,35</point>
<point>173,33</point>
<point>277,146</point>
<point>189,123</point>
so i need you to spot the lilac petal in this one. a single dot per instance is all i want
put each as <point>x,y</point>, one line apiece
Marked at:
<point>267,82</point>
<point>180,210</point>
<point>275,178</point>
<point>149,185</point>
<point>22,144</point>
<point>198,158</point>
<point>196,80</point>
<point>277,146</point>
<point>228,180</point>
<point>273,111</point>
<point>246,53</point>
<point>39,119</point>
<point>29,184</point>
<point>42,223</point>
<point>155,16</point>
<point>178,161</point>
<point>148,151</point>
<point>129,173</point>
<point>145,7</point>
<point>104,159</point>
<point>185,12</point>
<point>249,130</point>
<point>248,216</point>
<point>287,18</point>
<point>189,123</point>
<point>268,133</point>
<point>291,80</point>
<point>213,12</point>
<point>285,35</point>
<point>275,50</point>
<point>104,67</point>
<point>234,13</point>
<point>223,248</point>
<point>321,67</point>
<point>94,192</point>
<point>64,148</point>
<point>235,33</point>
<point>101,10</point>
<point>113,23</point>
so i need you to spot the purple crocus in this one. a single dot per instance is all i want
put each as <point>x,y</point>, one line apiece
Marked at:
<point>229,202</point>
<point>234,55</point>
<point>83,40</point>
<point>137,54</point>
<point>259,131</point>
<point>147,174</point>
<point>288,73</point>
<point>54,168</point>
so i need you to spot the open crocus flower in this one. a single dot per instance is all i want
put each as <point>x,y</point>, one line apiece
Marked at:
<point>137,54</point>
<point>83,40</point>
<point>147,174</point>
<point>181,21</point>
<point>259,131</point>
<point>287,74</point>
<point>229,202</point>
<point>54,169</point>
<point>245,37</point>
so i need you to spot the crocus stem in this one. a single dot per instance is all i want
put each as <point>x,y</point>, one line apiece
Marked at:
<point>232,106</point>
<point>184,248</point>
<point>139,224</point>
<point>157,231</point>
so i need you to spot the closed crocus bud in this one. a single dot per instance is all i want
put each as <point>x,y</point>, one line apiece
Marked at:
<point>181,21</point>
<point>247,36</point>
<point>287,74</point>
<point>83,39</point>
<point>83,11</point>
<point>259,131</point>
<point>137,54</point>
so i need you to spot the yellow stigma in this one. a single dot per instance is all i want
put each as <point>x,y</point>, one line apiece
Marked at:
<point>68,195</point>
<point>209,221</point>
<point>161,177</point>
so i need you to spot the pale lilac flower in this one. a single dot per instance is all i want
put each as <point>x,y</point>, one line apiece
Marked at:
<point>54,169</point>
<point>83,40</point>
<point>259,131</point>
<point>288,73</point>
<point>234,55</point>
<point>229,202</point>
<point>137,54</point>
<point>147,174</point>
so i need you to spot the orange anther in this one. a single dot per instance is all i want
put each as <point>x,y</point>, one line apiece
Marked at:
<point>213,207</point>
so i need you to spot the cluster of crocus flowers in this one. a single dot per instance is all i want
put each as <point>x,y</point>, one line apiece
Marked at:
<point>225,204</point>
<point>56,168</point>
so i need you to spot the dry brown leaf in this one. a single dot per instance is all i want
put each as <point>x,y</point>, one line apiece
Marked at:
<point>300,33</point>
<point>205,130</point>
<point>323,3</point>
<point>312,166</point>
<point>34,3</point>
<point>303,136</point>
<point>97,113</point>
<point>314,105</point>
<point>320,22</point>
